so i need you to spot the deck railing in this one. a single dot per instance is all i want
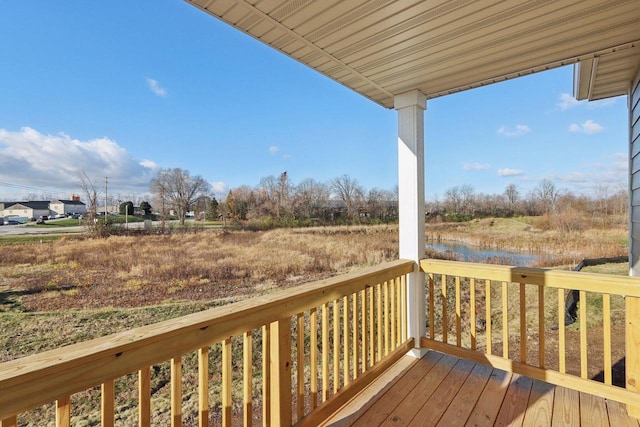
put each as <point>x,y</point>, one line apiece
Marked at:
<point>514,319</point>
<point>297,354</point>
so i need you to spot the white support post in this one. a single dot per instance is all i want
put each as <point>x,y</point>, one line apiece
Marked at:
<point>410,107</point>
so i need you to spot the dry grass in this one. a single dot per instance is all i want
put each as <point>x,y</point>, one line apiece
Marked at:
<point>526,235</point>
<point>127,271</point>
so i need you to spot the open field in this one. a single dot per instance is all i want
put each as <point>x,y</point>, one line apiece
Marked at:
<point>66,282</point>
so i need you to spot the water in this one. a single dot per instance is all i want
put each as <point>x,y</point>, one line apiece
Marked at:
<point>466,253</point>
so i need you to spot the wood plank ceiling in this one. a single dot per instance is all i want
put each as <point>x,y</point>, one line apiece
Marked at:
<point>381,48</point>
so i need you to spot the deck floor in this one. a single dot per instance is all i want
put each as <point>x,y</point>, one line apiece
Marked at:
<point>442,390</point>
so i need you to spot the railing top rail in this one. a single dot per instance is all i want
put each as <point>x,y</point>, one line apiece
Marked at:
<point>41,378</point>
<point>590,282</point>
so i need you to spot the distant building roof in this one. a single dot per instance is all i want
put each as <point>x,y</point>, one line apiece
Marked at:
<point>36,205</point>
<point>69,202</point>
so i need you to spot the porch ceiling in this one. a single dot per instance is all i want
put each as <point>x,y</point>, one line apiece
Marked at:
<point>381,48</point>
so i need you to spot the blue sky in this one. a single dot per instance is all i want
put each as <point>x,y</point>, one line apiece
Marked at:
<point>122,88</point>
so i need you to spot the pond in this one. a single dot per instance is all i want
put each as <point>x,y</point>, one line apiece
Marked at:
<point>467,253</point>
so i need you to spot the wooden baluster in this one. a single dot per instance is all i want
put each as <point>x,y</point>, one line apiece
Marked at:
<point>227,376</point>
<point>541,332</point>
<point>354,334</point>
<point>394,314</point>
<point>432,308</point>
<point>606,338</point>
<point>582,307</point>
<point>144,396</point>
<point>445,320</point>
<point>336,346</point>
<point>505,321</point>
<point>487,303</point>
<point>266,375</point>
<point>523,323</point>
<point>281,373</point>
<point>379,325</point>
<point>364,330</point>
<point>632,313</point>
<point>458,314</point>
<point>562,368</point>
<point>313,357</point>
<point>176,392</point>
<point>247,378</point>
<point>108,403</point>
<point>346,338</point>
<point>325,352</point>
<point>385,287</point>
<point>300,365</point>
<point>472,312</point>
<point>403,305</point>
<point>400,320</point>
<point>63,411</point>
<point>203,387</point>
<point>372,348</point>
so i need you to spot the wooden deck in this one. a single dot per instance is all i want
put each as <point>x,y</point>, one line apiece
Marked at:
<point>442,390</point>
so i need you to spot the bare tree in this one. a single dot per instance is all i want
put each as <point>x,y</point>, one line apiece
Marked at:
<point>467,193</point>
<point>453,200</point>
<point>91,195</point>
<point>512,195</point>
<point>177,189</point>
<point>349,192</point>
<point>547,194</point>
<point>310,199</point>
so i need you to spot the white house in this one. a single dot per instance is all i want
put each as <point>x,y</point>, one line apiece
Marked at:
<point>67,207</point>
<point>25,209</point>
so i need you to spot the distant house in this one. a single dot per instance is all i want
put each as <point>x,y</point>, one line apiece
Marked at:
<point>33,209</point>
<point>67,207</point>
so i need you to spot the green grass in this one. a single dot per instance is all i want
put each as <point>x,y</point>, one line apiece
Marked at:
<point>28,238</point>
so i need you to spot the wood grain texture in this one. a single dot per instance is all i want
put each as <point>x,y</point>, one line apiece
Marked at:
<point>540,406</point>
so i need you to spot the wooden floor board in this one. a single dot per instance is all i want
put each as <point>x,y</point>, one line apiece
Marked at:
<point>486,410</point>
<point>540,406</point>
<point>439,402</point>
<point>566,408</point>
<point>444,390</point>
<point>593,410</point>
<point>515,402</point>
<point>360,405</point>
<point>460,409</point>
<point>405,411</point>
<point>618,415</point>
<point>382,408</point>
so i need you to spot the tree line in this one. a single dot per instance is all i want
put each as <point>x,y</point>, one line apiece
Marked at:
<point>279,201</point>
<point>275,199</point>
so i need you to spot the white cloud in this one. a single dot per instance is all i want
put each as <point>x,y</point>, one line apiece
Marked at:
<point>567,101</point>
<point>149,164</point>
<point>518,131</point>
<point>55,162</point>
<point>475,166</point>
<point>156,88</point>
<point>273,150</point>
<point>218,187</point>
<point>589,127</point>
<point>510,172</point>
